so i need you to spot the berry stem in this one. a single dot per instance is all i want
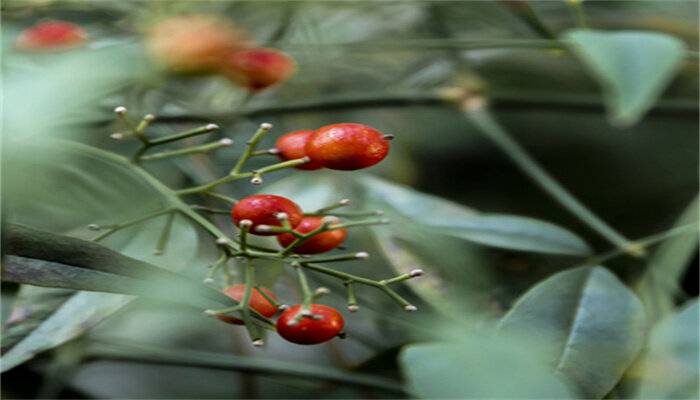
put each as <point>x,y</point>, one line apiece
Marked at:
<point>365,281</point>
<point>210,210</point>
<point>253,330</point>
<point>304,285</point>
<point>165,235</point>
<point>184,135</point>
<point>145,217</point>
<point>227,199</point>
<point>202,148</point>
<point>250,147</point>
<point>352,299</point>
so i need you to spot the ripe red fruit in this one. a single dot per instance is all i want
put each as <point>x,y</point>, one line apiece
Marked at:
<point>291,147</point>
<point>257,69</point>
<point>262,209</point>
<point>325,324</point>
<point>347,146</point>
<point>320,243</point>
<point>257,302</point>
<point>193,43</point>
<point>51,35</point>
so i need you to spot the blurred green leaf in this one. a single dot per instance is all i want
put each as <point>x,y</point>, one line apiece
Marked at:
<point>57,93</point>
<point>634,67</point>
<point>448,218</point>
<point>659,285</point>
<point>62,187</point>
<point>670,369</point>
<point>515,233</point>
<point>593,324</point>
<point>32,306</point>
<point>479,367</point>
<point>45,259</point>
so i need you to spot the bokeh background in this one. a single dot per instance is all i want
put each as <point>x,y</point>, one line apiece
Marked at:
<point>372,62</point>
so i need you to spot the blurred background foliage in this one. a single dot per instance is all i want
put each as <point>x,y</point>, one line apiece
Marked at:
<point>377,63</point>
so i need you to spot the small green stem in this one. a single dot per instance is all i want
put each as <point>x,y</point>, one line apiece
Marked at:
<point>340,257</point>
<point>304,285</point>
<point>577,8</point>
<point>203,148</point>
<point>352,299</point>
<point>357,214</point>
<point>643,243</point>
<point>244,236</point>
<point>165,235</point>
<point>266,296</point>
<point>352,224</point>
<point>210,210</point>
<point>253,330</point>
<point>250,147</point>
<point>338,204</point>
<point>357,279</point>
<point>229,200</point>
<point>184,135</point>
<point>131,222</point>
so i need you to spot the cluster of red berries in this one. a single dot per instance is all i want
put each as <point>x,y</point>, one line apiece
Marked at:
<point>344,146</point>
<point>51,36</point>
<point>258,213</point>
<point>317,324</point>
<point>208,44</point>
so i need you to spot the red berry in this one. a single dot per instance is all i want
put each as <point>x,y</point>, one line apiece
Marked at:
<point>262,209</point>
<point>324,324</point>
<point>193,43</point>
<point>257,69</point>
<point>257,302</point>
<point>51,35</point>
<point>320,243</point>
<point>291,147</point>
<point>347,146</point>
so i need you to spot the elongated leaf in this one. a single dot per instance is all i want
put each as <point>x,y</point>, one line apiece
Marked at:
<point>670,369</point>
<point>593,324</point>
<point>478,368</point>
<point>32,306</point>
<point>42,258</point>
<point>633,67</point>
<point>516,233</point>
<point>502,231</point>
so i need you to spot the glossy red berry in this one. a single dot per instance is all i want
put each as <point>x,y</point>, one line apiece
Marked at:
<point>291,147</point>
<point>51,35</point>
<point>194,43</point>
<point>257,302</point>
<point>262,209</point>
<point>320,243</point>
<point>259,68</point>
<point>324,324</point>
<point>347,146</point>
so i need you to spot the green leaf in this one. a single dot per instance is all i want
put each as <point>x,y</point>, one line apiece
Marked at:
<point>633,67</point>
<point>42,258</point>
<point>670,369</point>
<point>62,187</point>
<point>45,259</point>
<point>448,218</point>
<point>31,307</point>
<point>515,233</point>
<point>659,286</point>
<point>591,322</point>
<point>479,367</point>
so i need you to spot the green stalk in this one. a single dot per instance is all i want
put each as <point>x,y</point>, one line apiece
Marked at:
<point>487,125</point>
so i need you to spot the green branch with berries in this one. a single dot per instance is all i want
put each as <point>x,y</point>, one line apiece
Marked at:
<point>305,237</point>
